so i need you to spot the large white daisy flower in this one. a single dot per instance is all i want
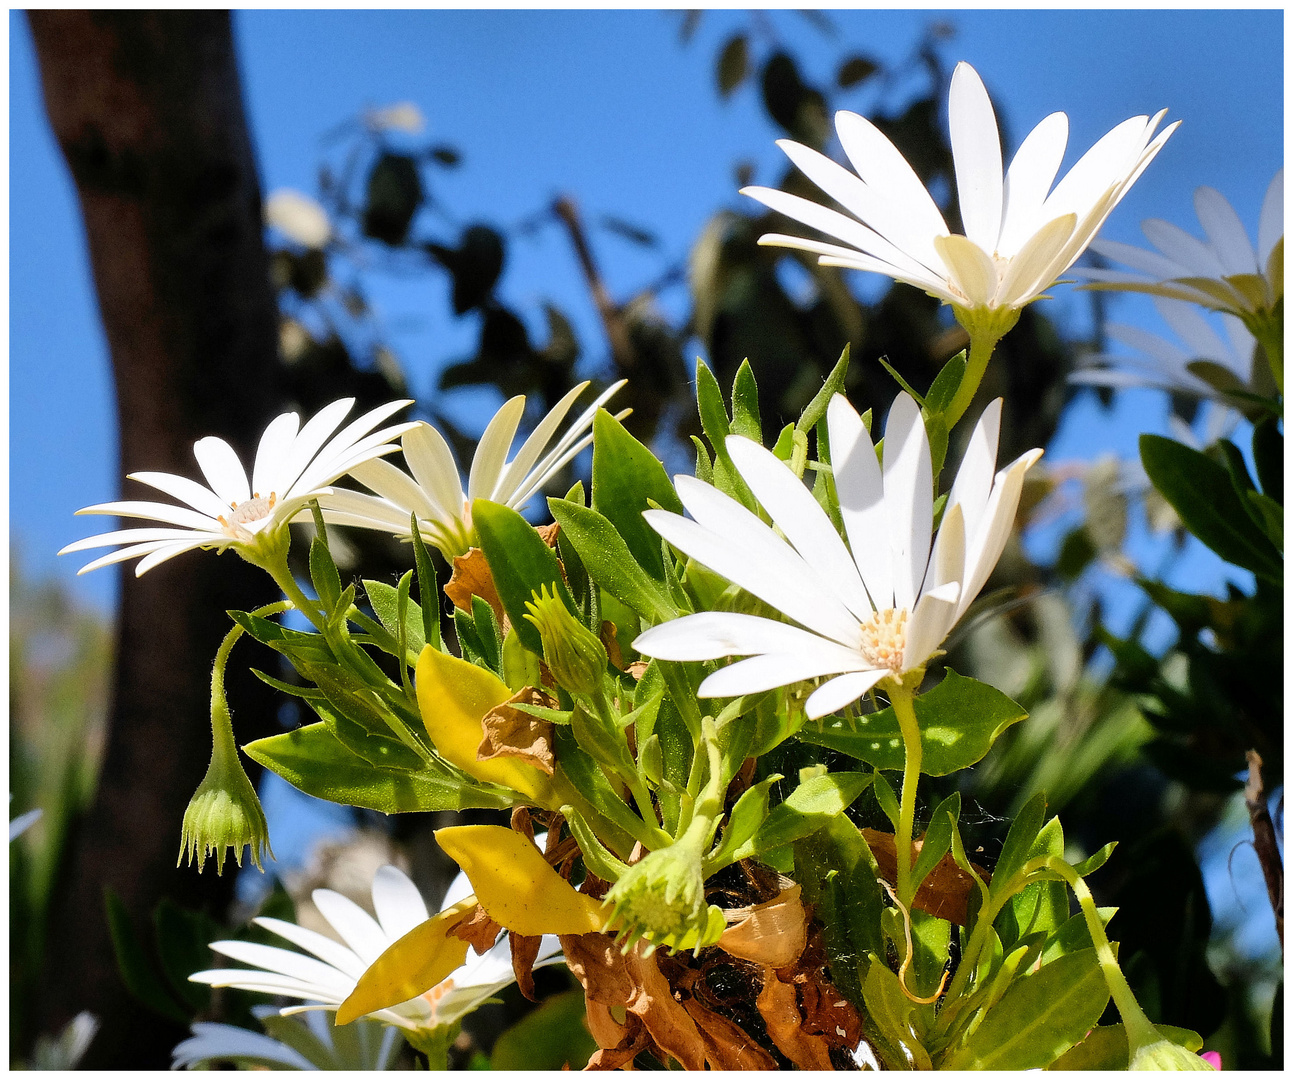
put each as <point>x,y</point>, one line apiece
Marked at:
<point>293,465</point>
<point>331,978</point>
<point>434,491</point>
<point>1164,363</point>
<point>1020,235</point>
<point>1223,271</point>
<point>879,610</point>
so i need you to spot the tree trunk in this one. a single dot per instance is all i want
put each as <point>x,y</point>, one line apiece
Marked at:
<point>148,111</point>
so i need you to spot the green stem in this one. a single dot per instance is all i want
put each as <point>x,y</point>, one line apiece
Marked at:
<point>1268,329</point>
<point>901,699</point>
<point>986,326</point>
<point>1139,1029</point>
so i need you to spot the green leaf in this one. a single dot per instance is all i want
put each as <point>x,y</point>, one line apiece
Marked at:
<point>551,1037</point>
<point>1018,847</point>
<point>959,721</point>
<point>521,564</point>
<point>884,363</point>
<point>1073,935</point>
<point>133,965</point>
<point>586,777</point>
<point>608,559</point>
<point>747,815</point>
<point>1092,864</point>
<point>745,404</point>
<point>887,799</point>
<point>313,760</point>
<point>892,1017</point>
<point>487,632</point>
<point>627,478</point>
<point>323,572</point>
<point>428,590</point>
<point>386,605</point>
<point>596,857</point>
<point>709,402</point>
<point>938,839</point>
<point>805,810</point>
<point>1268,456</point>
<point>1201,492</point>
<point>930,937</point>
<point>1106,1048</point>
<point>1041,907</point>
<point>1038,1018</point>
<point>704,467</point>
<point>944,387</point>
<point>183,939</point>
<point>1270,516</point>
<point>815,410</point>
<point>733,67</point>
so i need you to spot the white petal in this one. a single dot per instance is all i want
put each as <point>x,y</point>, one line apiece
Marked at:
<point>266,982</point>
<point>222,469</point>
<point>431,461</point>
<point>1109,161</point>
<point>1225,232</point>
<point>396,486</point>
<point>769,671</point>
<point>350,445</point>
<point>459,889</point>
<point>1193,328</point>
<point>970,269</point>
<point>1039,262</point>
<point>308,440</point>
<point>835,255</point>
<point>272,453</point>
<point>947,561</point>
<point>1147,262</point>
<point>567,448</point>
<point>202,499</point>
<point>356,927</point>
<point>161,555</point>
<point>1029,179</point>
<point>834,695</point>
<point>325,948</point>
<point>860,488</point>
<point>128,536</point>
<point>908,498</point>
<point>491,451</point>
<point>361,511</point>
<point>285,962</point>
<point>904,212</point>
<point>800,517</point>
<point>172,515</point>
<point>984,547</point>
<point>976,150</point>
<point>398,903</point>
<point>974,477</point>
<point>935,615</point>
<point>212,1042</point>
<point>1189,252</point>
<point>1270,226</point>
<point>710,635</point>
<point>533,446</point>
<point>132,552</point>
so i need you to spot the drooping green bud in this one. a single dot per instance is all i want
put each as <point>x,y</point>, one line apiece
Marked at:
<point>1163,1054</point>
<point>574,654</point>
<point>224,811</point>
<point>662,900</point>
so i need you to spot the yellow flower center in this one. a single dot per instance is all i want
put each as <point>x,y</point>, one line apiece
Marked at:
<point>884,636</point>
<point>249,510</point>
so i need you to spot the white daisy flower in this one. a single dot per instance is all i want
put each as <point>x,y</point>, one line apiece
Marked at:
<point>370,1047</point>
<point>434,491</point>
<point>1020,235</point>
<point>331,978</point>
<point>1223,271</point>
<point>880,610</point>
<point>1164,363</point>
<point>293,465</point>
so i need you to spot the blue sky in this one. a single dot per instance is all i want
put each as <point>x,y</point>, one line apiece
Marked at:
<point>609,107</point>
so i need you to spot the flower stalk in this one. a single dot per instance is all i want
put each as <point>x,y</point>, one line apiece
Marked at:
<point>900,697</point>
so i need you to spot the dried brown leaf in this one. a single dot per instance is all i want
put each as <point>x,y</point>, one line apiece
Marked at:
<point>638,668</point>
<point>727,1046</point>
<point>472,577</point>
<point>773,934</point>
<point>525,950</point>
<point>512,733</point>
<point>612,644</point>
<point>778,1004</point>
<point>548,533</point>
<point>478,929</point>
<point>945,894</point>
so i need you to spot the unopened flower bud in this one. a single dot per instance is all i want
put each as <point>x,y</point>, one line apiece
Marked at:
<point>1163,1054</point>
<point>224,813</point>
<point>662,899</point>
<point>574,654</point>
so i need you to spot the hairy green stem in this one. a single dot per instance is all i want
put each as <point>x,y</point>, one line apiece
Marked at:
<point>901,699</point>
<point>986,326</point>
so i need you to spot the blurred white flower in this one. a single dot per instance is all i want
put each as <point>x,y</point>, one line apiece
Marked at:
<point>308,1043</point>
<point>402,116</point>
<point>879,610</point>
<point>293,465</point>
<point>434,491</point>
<point>332,977</point>
<point>66,1051</point>
<point>1165,364</point>
<point>1020,235</point>
<point>22,822</point>
<point>298,217</point>
<point>1223,271</point>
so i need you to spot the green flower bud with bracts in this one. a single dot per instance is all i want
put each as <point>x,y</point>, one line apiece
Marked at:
<point>662,900</point>
<point>574,654</point>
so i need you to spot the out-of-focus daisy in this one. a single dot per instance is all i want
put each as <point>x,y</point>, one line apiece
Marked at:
<point>298,217</point>
<point>1165,364</point>
<point>368,1046</point>
<point>878,611</point>
<point>1020,235</point>
<point>331,978</point>
<point>1223,271</point>
<point>401,116</point>
<point>434,492</point>
<point>294,465</point>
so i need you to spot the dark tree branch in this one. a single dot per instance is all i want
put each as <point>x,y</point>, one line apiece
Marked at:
<point>147,109</point>
<point>1268,852</point>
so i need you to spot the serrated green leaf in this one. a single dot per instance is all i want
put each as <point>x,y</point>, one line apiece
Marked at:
<point>313,760</point>
<point>959,721</point>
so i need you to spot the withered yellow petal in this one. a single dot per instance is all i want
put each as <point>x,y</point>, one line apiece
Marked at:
<point>514,883</point>
<point>453,697</point>
<point>421,959</point>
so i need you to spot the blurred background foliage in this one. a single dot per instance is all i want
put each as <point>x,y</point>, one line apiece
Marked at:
<point>1130,744</point>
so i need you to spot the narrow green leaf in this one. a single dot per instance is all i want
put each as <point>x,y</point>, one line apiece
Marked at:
<point>134,966</point>
<point>938,838</point>
<point>944,387</point>
<point>745,404</point>
<point>884,363</point>
<point>834,384</point>
<point>888,801</point>
<point>428,590</point>
<point>386,606</point>
<point>704,467</point>
<point>709,401</point>
<point>1268,456</point>
<point>1073,935</point>
<point>323,573</point>
<point>1019,842</point>
<point>487,631</point>
<point>805,810</point>
<point>959,721</point>
<point>747,815</point>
